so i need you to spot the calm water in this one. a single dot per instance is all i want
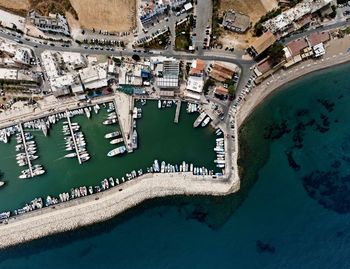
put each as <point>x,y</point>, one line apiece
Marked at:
<point>159,138</point>
<point>292,211</point>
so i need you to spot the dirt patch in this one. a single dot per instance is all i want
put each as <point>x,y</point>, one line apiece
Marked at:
<point>19,7</point>
<point>44,7</point>
<point>254,9</point>
<point>110,15</point>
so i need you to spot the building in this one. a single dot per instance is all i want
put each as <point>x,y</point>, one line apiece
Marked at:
<point>263,67</point>
<point>221,73</point>
<point>94,77</point>
<point>167,74</point>
<point>285,20</point>
<point>197,68</point>
<point>130,74</point>
<point>236,21</point>
<point>262,43</point>
<point>296,47</point>
<point>53,24</point>
<point>317,38</point>
<point>12,21</point>
<point>221,91</point>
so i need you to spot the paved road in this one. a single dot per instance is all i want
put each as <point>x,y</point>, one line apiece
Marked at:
<point>320,29</point>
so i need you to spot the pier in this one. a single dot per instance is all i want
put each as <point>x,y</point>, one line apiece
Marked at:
<point>26,150</point>
<point>73,136</point>
<point>177,113</point>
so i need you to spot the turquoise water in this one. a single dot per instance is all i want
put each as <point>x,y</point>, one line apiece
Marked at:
<point>292,211</point>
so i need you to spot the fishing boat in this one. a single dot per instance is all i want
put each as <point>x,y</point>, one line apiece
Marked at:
<point>112,135</point>
<point>110,121</point>
<point>87,112</point>
<point>116,141</point>
<point>2,183</point>
<point>116,151</point>
<point>205,122</point>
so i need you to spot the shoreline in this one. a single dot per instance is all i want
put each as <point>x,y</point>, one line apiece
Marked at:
<point>102,206</point>
<point>274,83</point>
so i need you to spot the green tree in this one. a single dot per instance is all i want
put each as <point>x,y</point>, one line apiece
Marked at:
<point>276,52</point>
<point>231,89</point>
<point>136,57</point>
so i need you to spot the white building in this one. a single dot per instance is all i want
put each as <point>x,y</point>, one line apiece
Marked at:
<point>94,77</point>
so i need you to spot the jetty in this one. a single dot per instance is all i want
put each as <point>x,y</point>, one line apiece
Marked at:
<point>26,150</point>
<point>73,136</point>
<point>177,113</point>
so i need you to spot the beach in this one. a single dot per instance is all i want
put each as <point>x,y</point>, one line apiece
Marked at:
<point>336,54</point>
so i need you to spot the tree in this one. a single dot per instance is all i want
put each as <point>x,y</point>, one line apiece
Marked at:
<point>231,89</point>
<point>276,52</point>
<point>117,61</point>
<point>136,57</point>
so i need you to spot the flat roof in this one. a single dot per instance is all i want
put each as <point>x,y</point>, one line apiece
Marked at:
<point>263,42</point>
<point>295,47</point>
<point>317,38</point>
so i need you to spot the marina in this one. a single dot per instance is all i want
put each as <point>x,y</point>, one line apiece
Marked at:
<point>62,174</point>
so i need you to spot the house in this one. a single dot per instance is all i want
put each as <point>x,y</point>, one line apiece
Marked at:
<point>53,24</point>
<point>297,46</point>
<point>236,21</point>
<point>263,67</point>
<point>197,67</point>
<point>221,91</point>
<point>221,72</point>
<point>317,38</point>
<point>262,43</point>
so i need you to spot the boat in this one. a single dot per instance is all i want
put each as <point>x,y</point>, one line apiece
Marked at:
<point>116,151</point>
<point>110,121</point>
<point>24,176</point>
<point>5,215</point>
<point>159,104</point>
<point>2,183</point>
<point>43,127</point>
<point>134,139</point>
<point>112,135</point>
<point>116,141</point>
<point>70,155</point>
<point>205,122</point>
<point>87,112</point>
<point>96,108</point>
<point>199,119</point>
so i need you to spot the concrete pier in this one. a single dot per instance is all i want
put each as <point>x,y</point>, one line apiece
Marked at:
<point>177,113</point>
<point>26,150</point>
<point>73,136</point>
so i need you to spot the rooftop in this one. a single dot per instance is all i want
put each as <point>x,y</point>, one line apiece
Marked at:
<point>295,47</point>
<point>317,38</point>
<point>263,42</point>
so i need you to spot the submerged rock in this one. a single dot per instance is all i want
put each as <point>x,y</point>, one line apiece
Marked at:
<point>264,247</point>
<point>292,163</point>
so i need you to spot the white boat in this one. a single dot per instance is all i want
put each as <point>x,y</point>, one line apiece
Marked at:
<point>199,119</point>
<point>43,127</point>
<point>116,141</point>
<point>134,139</point>
<point>205,122</point>
<point>38,172</point>
<point>2,183</point>
<point>116,151</point>
<point>112,135</point>
<point>87,112</point>
<point>110,121</point>
<point>159,104</point>
<point>70,155</point>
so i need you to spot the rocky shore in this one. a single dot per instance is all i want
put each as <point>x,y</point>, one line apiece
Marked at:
<point>105,205</point>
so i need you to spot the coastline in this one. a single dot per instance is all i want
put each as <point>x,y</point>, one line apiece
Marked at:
<point>281,78</point>
<point>105,205</point>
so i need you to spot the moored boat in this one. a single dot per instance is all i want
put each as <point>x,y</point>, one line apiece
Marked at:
<point>116,151</point>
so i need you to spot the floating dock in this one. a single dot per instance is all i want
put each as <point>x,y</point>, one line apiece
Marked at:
<point>73,136</point>
<point>26,150</point>
<point>177,113</point>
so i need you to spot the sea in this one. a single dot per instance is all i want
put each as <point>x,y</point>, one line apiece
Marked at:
<point>292,210</point>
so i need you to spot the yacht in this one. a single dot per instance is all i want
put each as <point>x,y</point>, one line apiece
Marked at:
<point>2,183</point>
<point>70,155</point>
<point>116,141</point>
<point>116,151</point>
<point>112,135</point>
<point>205,122</point>
<point>110,121</point>
<point>87,112</point>
<point>159,104</point>
<point>134,139</point>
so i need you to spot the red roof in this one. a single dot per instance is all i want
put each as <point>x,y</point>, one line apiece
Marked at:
<point>221,90</point>
<point>200,65</point>
<point>296,46</point>
<point>318,37</point>
<point>264,66</point>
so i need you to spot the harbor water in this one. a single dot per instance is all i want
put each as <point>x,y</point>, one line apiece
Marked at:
<point>158,138</point>
<point>292,211</point>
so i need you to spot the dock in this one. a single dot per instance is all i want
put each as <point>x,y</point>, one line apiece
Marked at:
<point>177,113</point>
<point>26,150</point>
<point>73,136</point>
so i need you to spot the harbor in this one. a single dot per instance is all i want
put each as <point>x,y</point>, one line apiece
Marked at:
<point>63,174</point>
